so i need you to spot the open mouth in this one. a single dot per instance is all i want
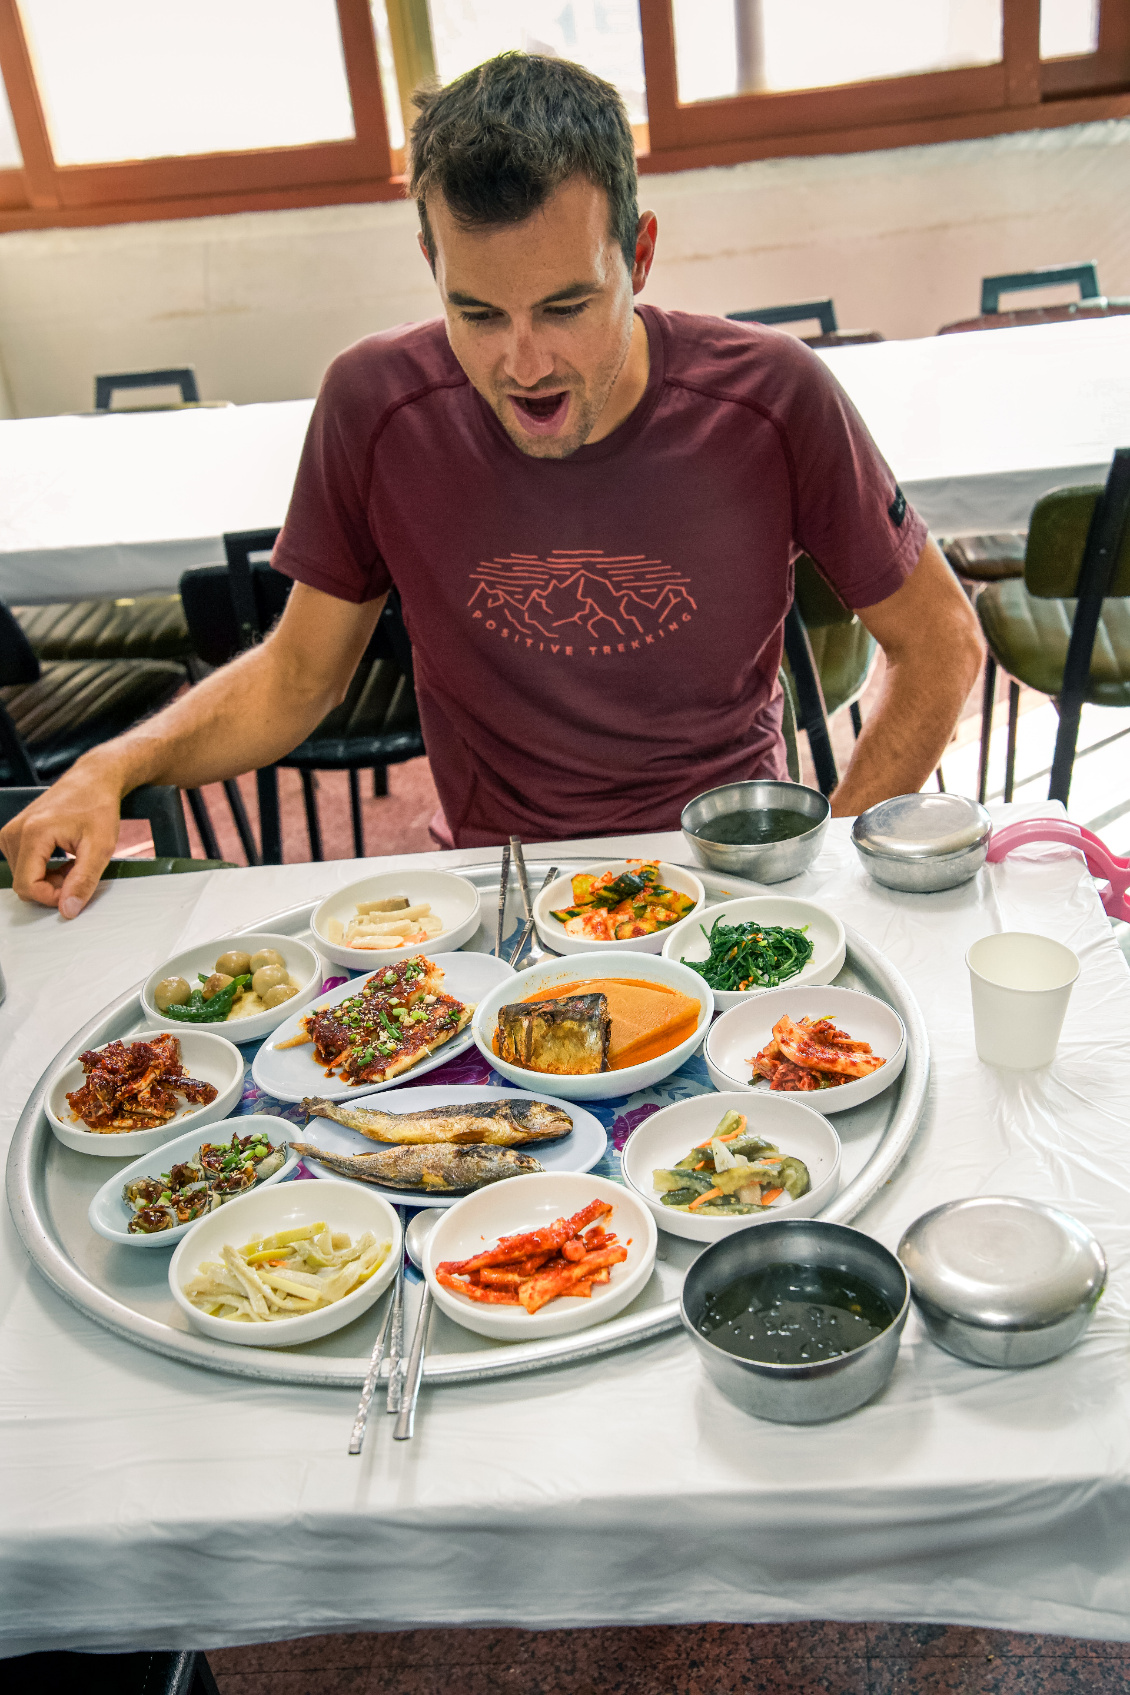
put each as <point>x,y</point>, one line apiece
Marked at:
<point>541,414</point>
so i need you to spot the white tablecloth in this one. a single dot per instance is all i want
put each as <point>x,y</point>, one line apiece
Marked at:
<point>145,1503</point>
<point>976,427</point>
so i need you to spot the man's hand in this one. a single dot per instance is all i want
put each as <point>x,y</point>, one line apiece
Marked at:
<point>76,814</point>
<point>244,716</point>
<point>932,644</point>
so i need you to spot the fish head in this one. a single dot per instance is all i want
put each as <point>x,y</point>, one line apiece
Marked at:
<point>526,1162</point>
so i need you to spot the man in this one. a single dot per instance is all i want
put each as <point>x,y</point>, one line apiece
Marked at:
<point>590,514</point>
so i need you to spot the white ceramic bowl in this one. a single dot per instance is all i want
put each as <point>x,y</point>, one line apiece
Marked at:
<point>302,963</point>
<point>686,941</point>
<point>528,1203</point>
<point>207,1057</point>
<point>668,1136</point>
<point>453,900</point>
<point>109,1214</point>
<point>290,1074</point>
<point>560,893</point>
<point>343,1206</point>
<point>744,1031</point>
<point>589,969</point>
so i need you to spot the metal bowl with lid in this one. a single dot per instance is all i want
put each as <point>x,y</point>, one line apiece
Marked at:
<point>923,843</point>
<point>1003,1281</point>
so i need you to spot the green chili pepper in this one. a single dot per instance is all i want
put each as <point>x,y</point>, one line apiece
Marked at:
<point>196,1010</point>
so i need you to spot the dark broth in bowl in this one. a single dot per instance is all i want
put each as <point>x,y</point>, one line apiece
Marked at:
<point>753,829</point>
<point>794,1315</point>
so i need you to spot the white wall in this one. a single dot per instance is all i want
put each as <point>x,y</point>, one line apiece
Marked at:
<point>259,302</point>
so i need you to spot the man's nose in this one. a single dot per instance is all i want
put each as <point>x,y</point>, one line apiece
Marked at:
<point>527,360</point>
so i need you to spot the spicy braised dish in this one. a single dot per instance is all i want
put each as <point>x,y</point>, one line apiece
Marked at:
<point>281,1276</point>
<point>733,1172</point>
<point>241,985</point>
<point>617,905</point>
<point>397,1018</point>
<point>218,1172</point>
<point>751,956</point>
<point>813,1053</point>
<point>135,1086</point>
<point>572,1032</point>
<point>566,1257</point>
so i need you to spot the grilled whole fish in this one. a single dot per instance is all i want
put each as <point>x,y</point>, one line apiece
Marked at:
<point>504,1124</point>
<point>443,1167</point>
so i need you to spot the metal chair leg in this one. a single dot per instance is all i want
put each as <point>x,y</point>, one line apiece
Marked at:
<point>270,821</point>
<point>356,815</point>
<point>313,825</point>
<point>1010,756</point>
<point>856,718</point>
<point>812,716</point>
<point>380,781</point>
<point>203,821</point>
<point>242,822</point>
<point>988,696</point>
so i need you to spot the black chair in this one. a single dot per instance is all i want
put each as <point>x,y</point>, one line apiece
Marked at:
<point>182,377</point>
<point>821,311</point>
<point>1092,302</point>
<point>52,714</point>
<point>162,809</point>
<point>230,608</point>
<point>63,1673</point>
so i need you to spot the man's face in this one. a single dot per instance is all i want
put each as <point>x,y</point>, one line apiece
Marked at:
<point>539,314</point>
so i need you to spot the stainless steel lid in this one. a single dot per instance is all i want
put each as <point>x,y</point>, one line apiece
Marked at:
<point>916,827</point>
<point>1002,1262</point>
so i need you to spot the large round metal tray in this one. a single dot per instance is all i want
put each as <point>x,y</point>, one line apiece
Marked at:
<point>49,1189</point>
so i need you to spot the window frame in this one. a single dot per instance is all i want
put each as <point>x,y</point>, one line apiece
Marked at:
<point>1021,92</point>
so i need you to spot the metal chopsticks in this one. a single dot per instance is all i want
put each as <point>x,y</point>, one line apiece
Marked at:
<point>396,1331</point>
<point>370,1383</point>
<point>411,1390</point>
<point>527,929</point>
<point>503,891</point>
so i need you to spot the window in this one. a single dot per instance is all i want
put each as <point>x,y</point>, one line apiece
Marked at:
<point>116,110</point>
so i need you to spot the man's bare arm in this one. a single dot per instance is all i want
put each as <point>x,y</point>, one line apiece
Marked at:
<point>244,716</point>
<point>932,644</point>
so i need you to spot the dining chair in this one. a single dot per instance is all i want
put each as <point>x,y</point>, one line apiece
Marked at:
<point>1065,629</point>
<point>829,657</point>
<point>159,805</point>
<point>230,608</point>
<point>1092,303</point>
<point>822,312</point>
<point>168,1672</point>
<point>182,377</point>
<point>987,558</point>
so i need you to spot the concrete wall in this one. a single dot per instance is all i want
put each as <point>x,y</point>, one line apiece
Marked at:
<point>259,302</point>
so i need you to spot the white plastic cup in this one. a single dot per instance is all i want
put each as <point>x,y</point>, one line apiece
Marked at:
<point>1021,985</point>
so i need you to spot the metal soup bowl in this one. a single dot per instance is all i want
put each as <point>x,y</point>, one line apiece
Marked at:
<point>798,1394</point>
<point>765,862</point>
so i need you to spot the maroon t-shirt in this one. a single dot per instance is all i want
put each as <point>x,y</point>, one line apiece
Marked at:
<point>596,638</point>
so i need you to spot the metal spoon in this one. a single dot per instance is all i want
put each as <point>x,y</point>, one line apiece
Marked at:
<point>416,1236</point>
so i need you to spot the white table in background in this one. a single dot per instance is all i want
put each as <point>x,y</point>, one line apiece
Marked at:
<point>976,427</point>
<point>144,1503</point>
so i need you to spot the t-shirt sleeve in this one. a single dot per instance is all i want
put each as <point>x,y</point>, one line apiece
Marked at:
<point>850,515</point>
<point>327,540</point>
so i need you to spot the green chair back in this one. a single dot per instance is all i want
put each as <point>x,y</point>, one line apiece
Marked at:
<point>1057,536</point>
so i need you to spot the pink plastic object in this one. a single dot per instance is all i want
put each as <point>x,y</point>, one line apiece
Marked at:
<point>1101,863</point>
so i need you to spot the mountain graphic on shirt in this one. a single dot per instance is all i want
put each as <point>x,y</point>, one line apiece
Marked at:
<point>581,596</point>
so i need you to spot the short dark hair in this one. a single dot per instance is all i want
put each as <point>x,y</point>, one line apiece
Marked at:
<point>501,139</point>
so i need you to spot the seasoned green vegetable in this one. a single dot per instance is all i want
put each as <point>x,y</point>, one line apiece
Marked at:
<point>732,1172</point>
<point>197,1010</point>
<point>751,956</point>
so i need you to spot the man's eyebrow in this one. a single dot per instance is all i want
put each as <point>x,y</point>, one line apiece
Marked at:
<point>571,291</point>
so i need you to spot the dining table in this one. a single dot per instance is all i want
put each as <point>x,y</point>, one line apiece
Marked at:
<point>975,426</point>
<point>148,1503</point>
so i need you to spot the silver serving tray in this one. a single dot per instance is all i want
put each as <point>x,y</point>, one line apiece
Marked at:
<point>49,1189</point>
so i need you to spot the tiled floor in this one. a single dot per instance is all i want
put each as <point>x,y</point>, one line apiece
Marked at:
<point>704,1659</point>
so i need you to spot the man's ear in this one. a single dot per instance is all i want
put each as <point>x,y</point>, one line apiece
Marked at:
<point>646,233</point>
<point>424,251</point>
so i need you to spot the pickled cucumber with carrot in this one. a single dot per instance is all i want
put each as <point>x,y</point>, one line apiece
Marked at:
<point>732,1172</point>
